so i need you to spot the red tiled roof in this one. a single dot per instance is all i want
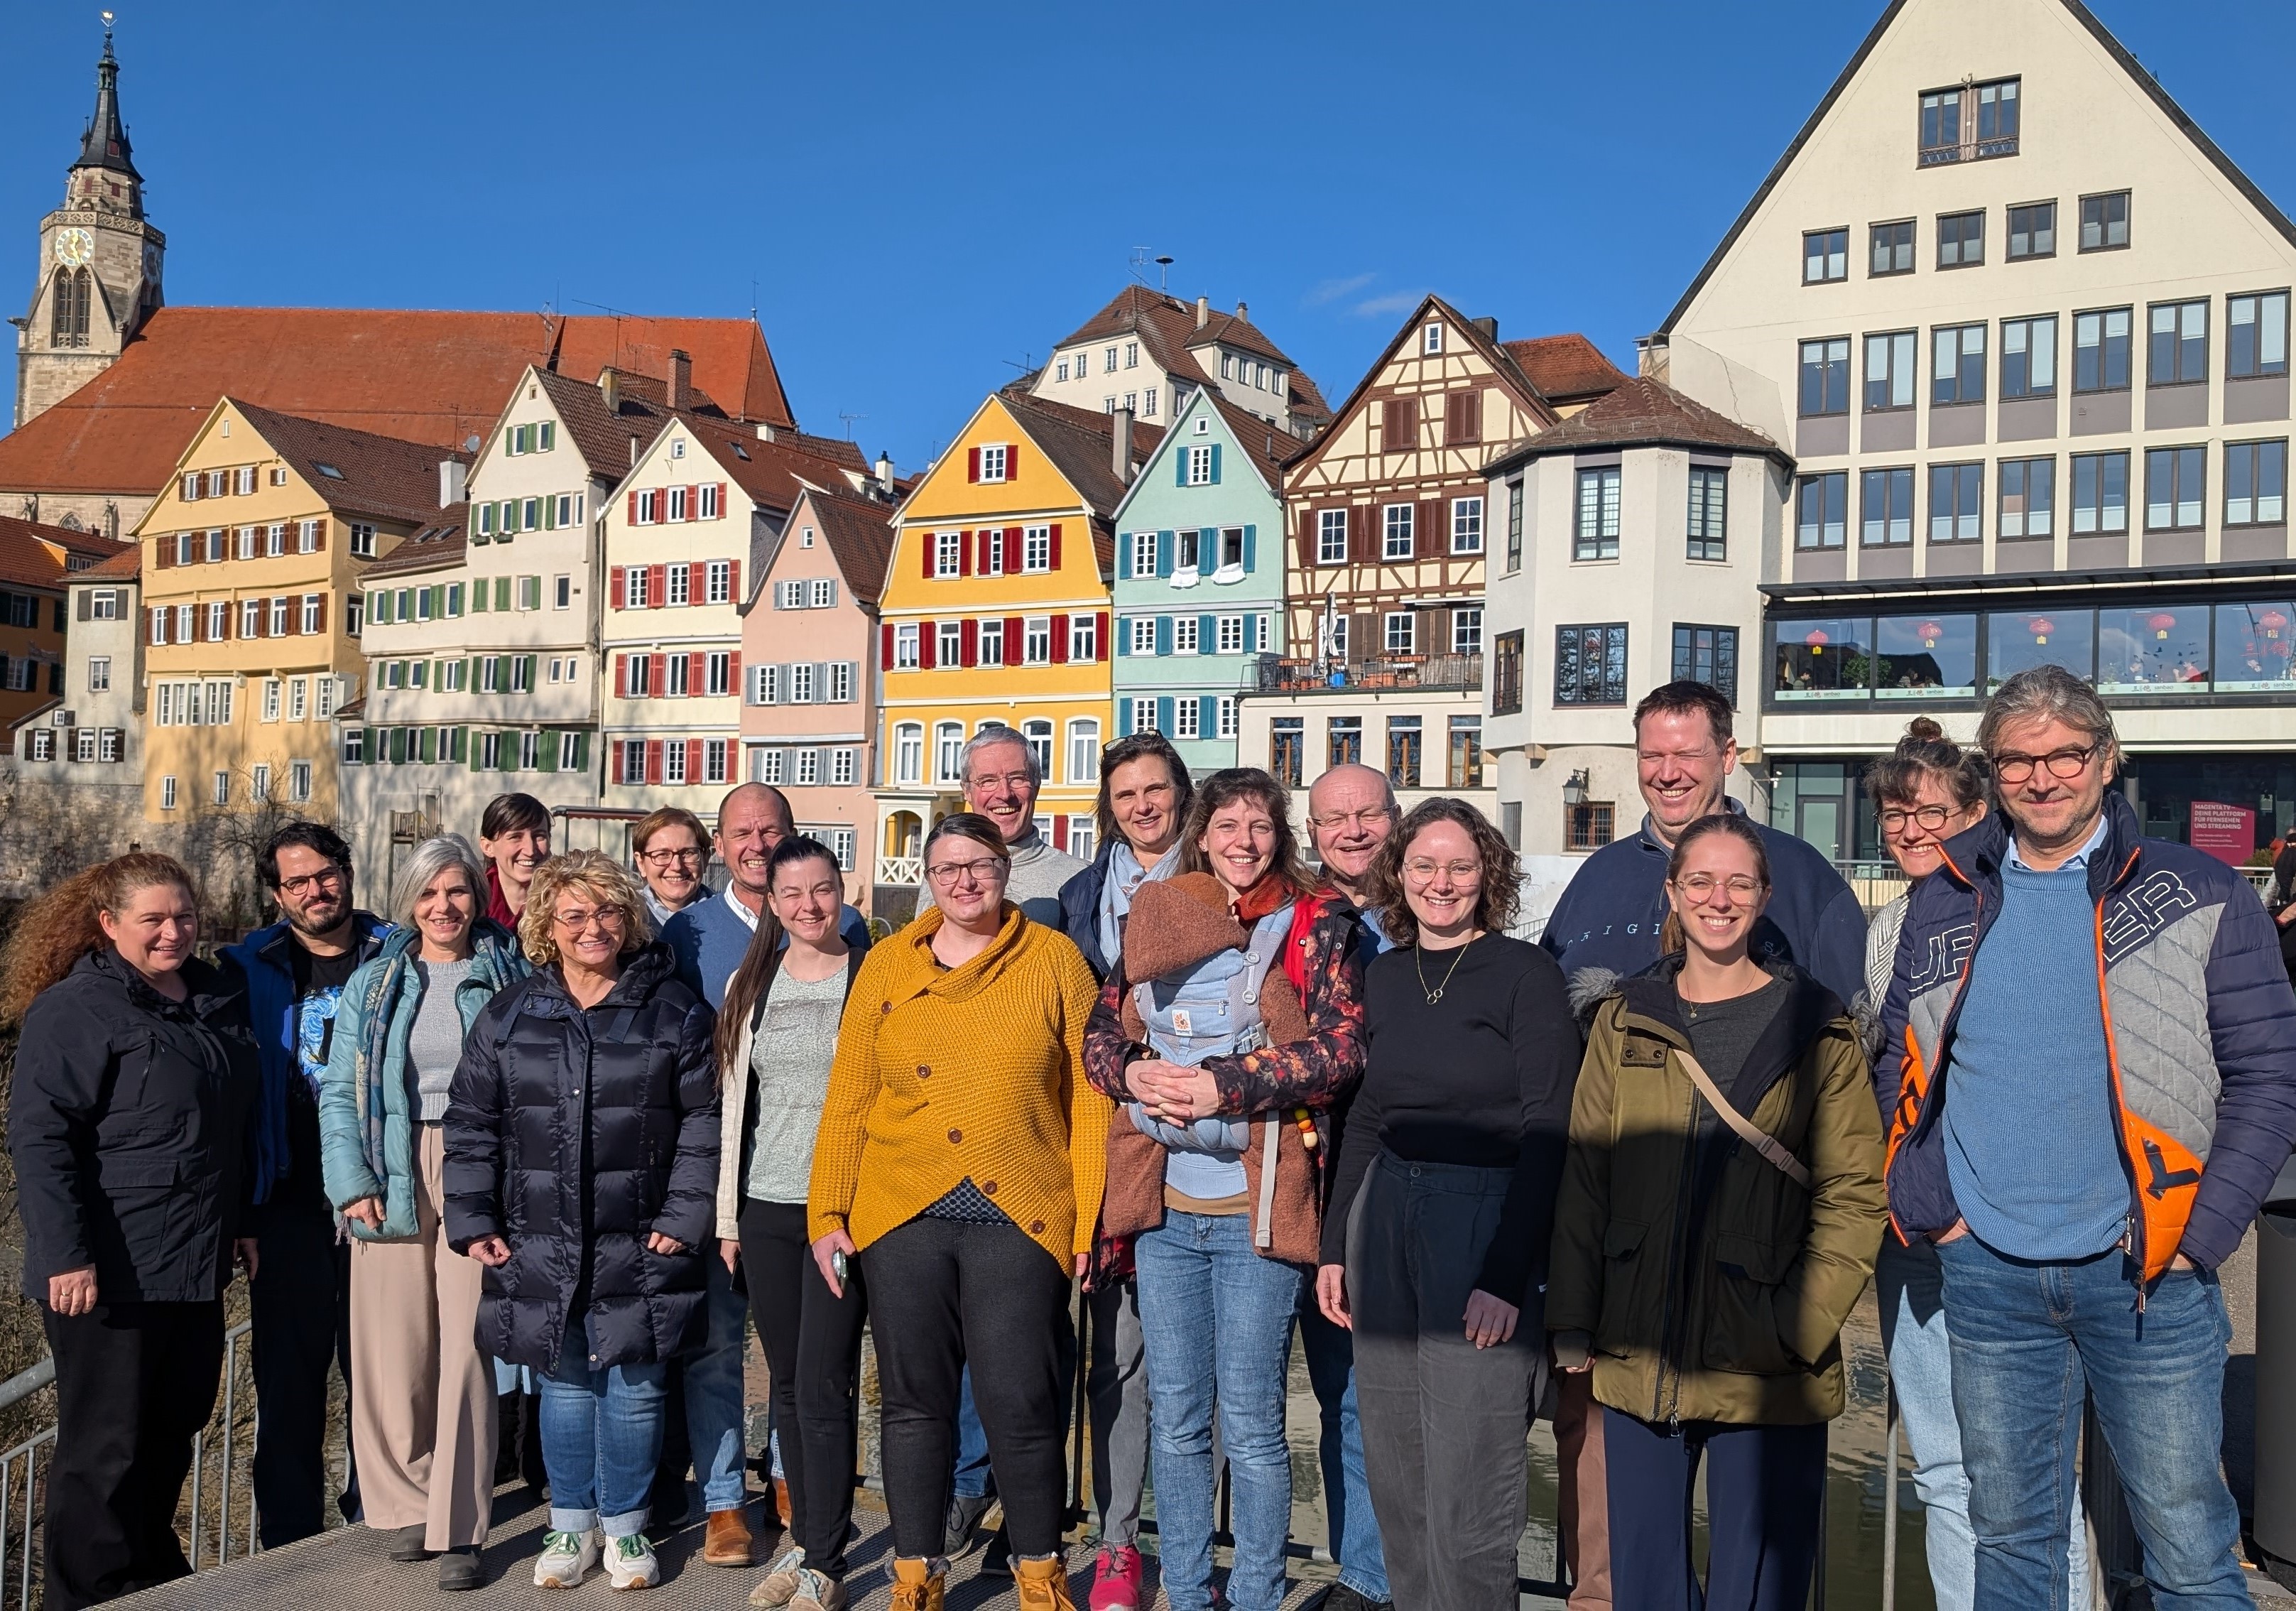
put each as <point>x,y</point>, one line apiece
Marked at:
<point>29,552</point>
<point>441,543</point>
<point>126,565</point>
<point>1270,448</point>
<point>1565,367</point>
<point>1079,442</point>
<point>374,475</point>
<point>770,471</point>
<point>417,375</point>
<point>859,532</point>
<point>1642,413</point>
<point>1169,325</point>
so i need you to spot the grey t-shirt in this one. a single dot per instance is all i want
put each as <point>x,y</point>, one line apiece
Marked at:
<point>790,1057</point>
<point>1723,1034</point>
<point>434,1044</point>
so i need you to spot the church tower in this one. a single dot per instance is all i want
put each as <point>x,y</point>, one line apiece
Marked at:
<point>100,262</point>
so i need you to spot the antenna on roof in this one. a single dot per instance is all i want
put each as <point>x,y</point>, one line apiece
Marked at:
<point>1142,256</point>
<point>1026,366</point>
<point>848,419</point>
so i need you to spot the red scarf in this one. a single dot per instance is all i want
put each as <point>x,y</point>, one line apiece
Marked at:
<point>497,908</point>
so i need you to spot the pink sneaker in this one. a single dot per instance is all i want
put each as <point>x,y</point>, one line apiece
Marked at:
<point>1116,1579</point>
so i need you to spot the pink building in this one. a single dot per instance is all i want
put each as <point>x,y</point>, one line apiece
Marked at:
<point>810,671</point>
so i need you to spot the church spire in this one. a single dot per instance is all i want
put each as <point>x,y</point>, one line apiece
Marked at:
<point>105,142</point>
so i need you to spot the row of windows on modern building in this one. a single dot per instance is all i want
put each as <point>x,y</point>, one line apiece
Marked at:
<point>2103,355</point>
<point>2026,496</point>
<point>1406,736</point>
<point>2030,230</point>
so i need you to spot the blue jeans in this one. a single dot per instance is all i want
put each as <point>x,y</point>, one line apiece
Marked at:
<point>971,1479</point>
<point>1349,1520</point>
<point>600,1437</point>
<point>716,1417</point>
<point>1911,1290</point>
<point>2027,1338</point>
<point>1216,1318</point>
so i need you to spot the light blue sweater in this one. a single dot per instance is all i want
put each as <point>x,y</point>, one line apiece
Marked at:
<point>2029,1142</point>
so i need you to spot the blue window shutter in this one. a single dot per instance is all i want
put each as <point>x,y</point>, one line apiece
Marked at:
<point>1164,546</point>
<point>1163,634</point>
<point>1207,634</point>
<point>1215,464</point>
<point>1249,533</point>
<point>1123,557</point>
<point>1123,637</point>
<point>1208,717</point>
<point>1124,718</point>
<point>1180,467</point>
<point>1164,715</point>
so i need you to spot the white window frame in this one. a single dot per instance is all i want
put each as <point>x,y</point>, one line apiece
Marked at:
<point>1036,549</point>
<point>1199,465</point>
<point>1430,338</point>
<point>905,647</point>
<point>1231,635</point>
<point>1084,638</point>
<point>948,746</point>
<point>1405,641</point>
<point>1331,537</point>
<point>1389,524</point>
<point>948,553</point>
<point>1037,640</point>
<point>908,753</point>
<point>1144,553</point>
<point>678,586</point>
<point>995,457</point>
<point>1142,628</point>
<point>1467,525</point>
<point>1187,717</point>
<point>1185,635</point>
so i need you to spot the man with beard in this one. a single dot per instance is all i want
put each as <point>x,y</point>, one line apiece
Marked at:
<point>293,973</point>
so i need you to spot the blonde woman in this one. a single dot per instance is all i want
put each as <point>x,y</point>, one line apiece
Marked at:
<point>582,1171</point>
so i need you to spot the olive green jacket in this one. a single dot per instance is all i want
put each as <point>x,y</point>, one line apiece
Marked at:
<point>1710,1286</point>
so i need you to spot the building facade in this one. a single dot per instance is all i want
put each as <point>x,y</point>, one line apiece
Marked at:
<point>1631,539</point>
<point>811,661</point>
<point>1147,351</point>
<point>2025,329</point>
<point>1199,585</point>
<point>1422,727</point>
<point>253,558</point>
<point>996,611</point>
<point>37,565</point>
<point>90,736</point>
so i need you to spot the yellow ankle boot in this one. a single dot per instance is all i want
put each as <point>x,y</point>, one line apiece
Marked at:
<point>917,1586</point>
<point>1043,1585</point>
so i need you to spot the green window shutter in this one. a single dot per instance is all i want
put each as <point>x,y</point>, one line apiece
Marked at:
<point>549,429</point>
<point>474,753</point>
<point>459,738</point>
<point>1215,464</point>
<point>478,595</point>
<point>546,751</point>
<point>424,741</point>
<point>529,673</point>
<point>549,514</point>
<point>581,752</point>
<point>371,750</point>
<point>506,754</point>
<point>501,592</point>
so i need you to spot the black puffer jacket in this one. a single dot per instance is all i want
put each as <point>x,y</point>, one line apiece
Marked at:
<point>572,1133</point>
<point>129,1125</point>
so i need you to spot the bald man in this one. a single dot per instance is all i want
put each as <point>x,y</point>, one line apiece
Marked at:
<point>711,937</point>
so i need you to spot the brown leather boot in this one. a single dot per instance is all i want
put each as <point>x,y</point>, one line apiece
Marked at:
<point>917,1586</point>
<point>1043,1584</point>
<point>727,1542</point>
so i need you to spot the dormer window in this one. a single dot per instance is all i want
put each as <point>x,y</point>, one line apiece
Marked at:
<point>1431,339</point>
<point>1969,123</point>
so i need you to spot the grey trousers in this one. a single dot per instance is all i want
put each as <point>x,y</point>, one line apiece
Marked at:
<point>1116,1393</point>
<point>1443,1422</point>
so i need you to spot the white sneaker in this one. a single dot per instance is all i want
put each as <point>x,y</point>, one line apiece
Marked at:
<point>781,1581</point>
<point>630,1563</point>
<point>566,1558</point>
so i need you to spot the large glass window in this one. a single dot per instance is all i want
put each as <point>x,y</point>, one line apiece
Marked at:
<point>2101,351</point>
<point>2033,231</point>
<point>1889,371</point>
<point>1821,510</point>
<point>1708,654</point>
<point>2104,221</point>
<point>2256,335</point>
<point>1960,240</point>
<point>2100,493</point>
<point>2027,498</point>
<point>2155,649</point>
<point>2256,647</point>
<point>1825,256</point>
<point>1590,665</point>
<point>1956,505</point>
<point>2176,487</point>
<point>1885,507</point>
<point>1892,247</point>
<point>1925,657</point>
<point>2029,357</point>
<point>2256,483</point>
<point>1709,511</point>
<point>1828,659</point>
<point>1957,364</point>
<point>1596,531</point>
<point>1826,376</point>
<point>2178,354</point>
<point>2016,640</point>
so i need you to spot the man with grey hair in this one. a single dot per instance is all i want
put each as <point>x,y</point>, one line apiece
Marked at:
<point>1002,775</point>
<point>2109,1016</point>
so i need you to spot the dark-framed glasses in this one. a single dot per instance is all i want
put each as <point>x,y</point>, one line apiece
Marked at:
<point>2064,764</point>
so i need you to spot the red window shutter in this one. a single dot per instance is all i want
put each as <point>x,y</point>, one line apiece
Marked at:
<point>163,553</point>
<point>322,613</point>
<point>696,669</point>
<point>1307,537</point>
<point>633,508</point>
<point>885,647</point>
<point>927,643</point>
<point>616,582</point>
<point>931,544</point>
<point>697,581</point>
<point>653,760</point>
<point>657,684</point>
<point>969,642</point>
<point>988,563</point>
<point>656,586</point>
<point>1100,649</point>
<point>693,761</point>
<point>1060,637</point>
<point>1363,519</point>
<point>318,536</point>
<point>1013,560</point>
<point>1060,832</point>
<point>965,553</point>
<point>1433,532</point>
<point>1056,545</point>
<point>622,687</point>
<point>1012,461</point>
<point>734,672</point>
<point>973,463</point>
<point>721,509</point>
<point>734,581</point>
<point>614,765</point>
<point>1015,648</point>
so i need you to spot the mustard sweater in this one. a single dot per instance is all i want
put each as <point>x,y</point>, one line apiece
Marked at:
<point>976,1070</point>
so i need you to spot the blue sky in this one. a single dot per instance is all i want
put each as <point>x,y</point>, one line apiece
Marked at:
<point>926,197</point>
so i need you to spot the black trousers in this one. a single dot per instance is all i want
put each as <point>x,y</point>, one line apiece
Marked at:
<point>812,1341</point>
<point>135,1383</point>
<point>1763,1488</point>
<point>300,1315</point>
<point>942,1292</point>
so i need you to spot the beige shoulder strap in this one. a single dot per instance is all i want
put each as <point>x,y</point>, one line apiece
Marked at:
<point>1772,1149</point>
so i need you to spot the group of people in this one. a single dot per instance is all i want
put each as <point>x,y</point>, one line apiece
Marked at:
<point>549,1125</point>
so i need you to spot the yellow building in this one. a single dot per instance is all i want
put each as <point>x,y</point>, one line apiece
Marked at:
<point>996,611</point>
<point>252,557</point>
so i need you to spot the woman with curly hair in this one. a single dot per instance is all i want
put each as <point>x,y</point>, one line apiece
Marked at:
<point>581,1170</point>
<point>135,1075</point>
<point>1435,1245</point>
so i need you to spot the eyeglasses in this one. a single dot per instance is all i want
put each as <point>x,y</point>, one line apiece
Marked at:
<point>324,879</point>
<point>989,869</point>
<point>662,859</point>
<point>1370,816</point>
<point>2065,763</point>
<point>1931,817</point>
<point>1699,887</point>
<point>607,919</point>
<point>1461,872</point>
<point>1015,782</point>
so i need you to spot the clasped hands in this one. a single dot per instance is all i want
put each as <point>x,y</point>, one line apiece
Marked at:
<point>1171,1093</point>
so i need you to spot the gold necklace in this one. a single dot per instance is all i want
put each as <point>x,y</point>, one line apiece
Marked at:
<point>1419,961</point>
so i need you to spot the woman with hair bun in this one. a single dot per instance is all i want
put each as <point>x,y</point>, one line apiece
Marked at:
<point>136,1074</point>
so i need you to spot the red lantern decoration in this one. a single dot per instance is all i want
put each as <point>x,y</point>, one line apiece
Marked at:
<point>1817,639</point>
<point>2161,621</point>
<point>1929,632</point>
<point>2040,627</point>
<point>2272,621</point>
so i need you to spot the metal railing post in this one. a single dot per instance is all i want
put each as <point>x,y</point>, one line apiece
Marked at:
<point>1889,1492</point>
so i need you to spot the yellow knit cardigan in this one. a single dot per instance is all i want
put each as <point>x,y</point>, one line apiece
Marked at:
<point>976,1070</point>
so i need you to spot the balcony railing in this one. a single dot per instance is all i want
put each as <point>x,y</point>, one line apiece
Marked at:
<point>901,869</point>
<point>1430,671</point>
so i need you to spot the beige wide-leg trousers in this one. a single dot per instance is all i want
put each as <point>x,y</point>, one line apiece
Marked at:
<point>422,1420</point>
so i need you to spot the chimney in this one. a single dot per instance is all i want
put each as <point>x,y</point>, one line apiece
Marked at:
<point>1203,311</point>
<point>1120,445</point>
<point>609,389</point>
<point>1489,327</point>
<point>1243,312</point>
<point>1653,358</point>
<point>681,378</point>
<point>634,453</point>
<point>765,431</point>
<point>884,468</point>
<point>451,482</point>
